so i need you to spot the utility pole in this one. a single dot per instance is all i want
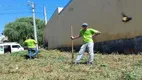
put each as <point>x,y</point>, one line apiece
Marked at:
<point>34,22</point>
<point>45,18</point>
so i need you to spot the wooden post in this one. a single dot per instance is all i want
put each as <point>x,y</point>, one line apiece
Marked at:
<point>72,45</point>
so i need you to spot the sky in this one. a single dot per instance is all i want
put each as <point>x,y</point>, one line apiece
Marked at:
<point>10,10</point>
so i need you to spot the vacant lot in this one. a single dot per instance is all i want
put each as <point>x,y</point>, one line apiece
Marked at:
<point>55,65</point>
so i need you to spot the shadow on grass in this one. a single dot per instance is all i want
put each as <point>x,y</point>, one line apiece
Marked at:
<point>78,63</point>
<point>27,57</point>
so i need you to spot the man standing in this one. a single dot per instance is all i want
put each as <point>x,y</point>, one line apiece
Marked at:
<point>31,45</point>
<point>87,35</point>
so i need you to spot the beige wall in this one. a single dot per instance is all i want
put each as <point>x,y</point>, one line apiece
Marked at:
<point>103,15</point>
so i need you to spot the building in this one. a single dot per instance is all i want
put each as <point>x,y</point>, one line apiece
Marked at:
<point>103,15</point>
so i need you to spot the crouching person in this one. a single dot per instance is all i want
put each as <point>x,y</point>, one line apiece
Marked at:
<point>31,47</point>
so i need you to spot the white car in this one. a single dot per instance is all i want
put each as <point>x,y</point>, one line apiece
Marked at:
<point>10,47</point>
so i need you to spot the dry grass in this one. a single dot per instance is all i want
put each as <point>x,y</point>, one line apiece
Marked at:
<point>55,65</point>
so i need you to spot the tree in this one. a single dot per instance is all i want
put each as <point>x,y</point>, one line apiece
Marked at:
<point>21,28</point>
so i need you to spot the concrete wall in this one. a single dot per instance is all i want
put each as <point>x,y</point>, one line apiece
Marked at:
<point>103,15</point>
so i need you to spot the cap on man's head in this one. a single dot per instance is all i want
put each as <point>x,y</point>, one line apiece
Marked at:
<point>85,24</point>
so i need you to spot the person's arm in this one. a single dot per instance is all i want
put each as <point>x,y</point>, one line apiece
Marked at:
<point>95,33</point>
<point>35,42</point>
<point>24,43</point>
<point>75,37</point>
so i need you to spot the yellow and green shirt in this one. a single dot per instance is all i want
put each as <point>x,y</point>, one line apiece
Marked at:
<point>87,34</point>
<point>30,43</point>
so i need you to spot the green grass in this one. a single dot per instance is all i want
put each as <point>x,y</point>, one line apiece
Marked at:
<point>55,65</point>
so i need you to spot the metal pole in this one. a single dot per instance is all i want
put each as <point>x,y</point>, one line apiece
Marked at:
<point>45,18</point>
<point>34,22</point>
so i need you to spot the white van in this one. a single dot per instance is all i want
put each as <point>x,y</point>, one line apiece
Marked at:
<point>10,47</point>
